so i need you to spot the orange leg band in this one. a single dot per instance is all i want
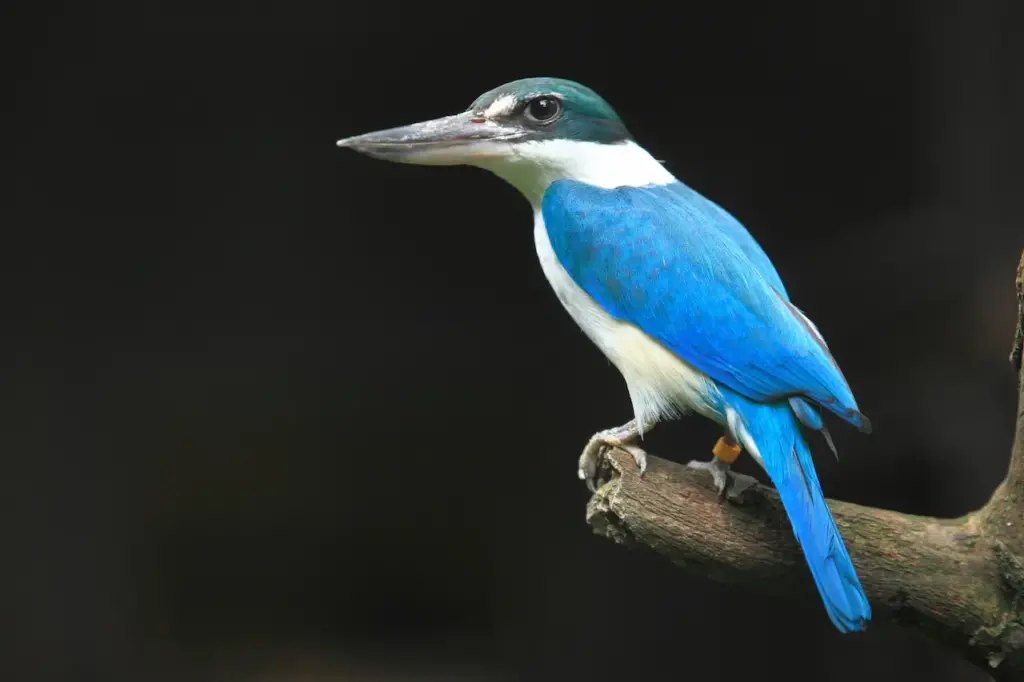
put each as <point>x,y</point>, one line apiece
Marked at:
<point>727,450</point>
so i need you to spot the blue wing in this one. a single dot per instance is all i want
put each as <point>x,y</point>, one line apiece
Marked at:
<point>709,211</point>
<point>654,257</point>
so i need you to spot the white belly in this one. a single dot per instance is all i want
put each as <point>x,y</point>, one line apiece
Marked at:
<point>661,385</point>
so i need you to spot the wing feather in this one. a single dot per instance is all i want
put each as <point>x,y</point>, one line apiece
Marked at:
<point>657,260</point>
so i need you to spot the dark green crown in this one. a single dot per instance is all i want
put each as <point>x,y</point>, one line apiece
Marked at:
<point>583,115</point>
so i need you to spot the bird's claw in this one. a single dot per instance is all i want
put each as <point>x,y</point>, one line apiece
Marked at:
<point>639,456</point>
<point>598,446</point>
<point>719,471</point>
<point>722,476</point>
<point>590,462</point>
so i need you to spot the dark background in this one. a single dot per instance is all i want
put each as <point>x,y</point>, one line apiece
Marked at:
<point>276,412</point>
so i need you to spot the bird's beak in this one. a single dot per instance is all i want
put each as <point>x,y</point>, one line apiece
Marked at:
<point>460,139</point>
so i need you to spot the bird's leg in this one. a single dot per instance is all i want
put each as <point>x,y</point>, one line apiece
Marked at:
<point>623,437</point>
<point>726,451</point>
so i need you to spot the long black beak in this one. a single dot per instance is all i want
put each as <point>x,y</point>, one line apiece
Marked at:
<point>452,140</point>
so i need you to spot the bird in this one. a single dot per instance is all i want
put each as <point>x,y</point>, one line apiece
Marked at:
<point>674,291</point>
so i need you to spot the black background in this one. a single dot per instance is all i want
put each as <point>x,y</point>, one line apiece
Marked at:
<point>274,411</point>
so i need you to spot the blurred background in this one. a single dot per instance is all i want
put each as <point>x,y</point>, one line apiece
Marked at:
<point>269,415</point>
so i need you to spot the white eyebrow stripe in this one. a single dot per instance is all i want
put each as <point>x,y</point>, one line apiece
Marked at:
<point>502,105</point>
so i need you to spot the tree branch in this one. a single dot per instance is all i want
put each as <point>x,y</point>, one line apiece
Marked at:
<point>960,580</point>
<point>1018,342</point>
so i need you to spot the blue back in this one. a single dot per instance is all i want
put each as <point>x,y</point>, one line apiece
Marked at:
<point>687,273</point>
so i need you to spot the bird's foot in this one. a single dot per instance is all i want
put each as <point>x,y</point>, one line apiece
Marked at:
<point>619,437</point>
<point>719,471</point>
<point>720,467</point>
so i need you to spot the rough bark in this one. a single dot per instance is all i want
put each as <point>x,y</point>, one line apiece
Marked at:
<point>959,580</point>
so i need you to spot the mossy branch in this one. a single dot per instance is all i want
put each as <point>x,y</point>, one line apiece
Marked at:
<point>959,580</point>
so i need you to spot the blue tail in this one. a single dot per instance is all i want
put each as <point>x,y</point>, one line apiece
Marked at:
<point>775,432</point>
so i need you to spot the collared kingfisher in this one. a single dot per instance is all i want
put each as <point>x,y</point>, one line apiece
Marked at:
<point>670,287</point>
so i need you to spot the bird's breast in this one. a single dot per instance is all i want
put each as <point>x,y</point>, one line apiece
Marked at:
<point>660,383</point>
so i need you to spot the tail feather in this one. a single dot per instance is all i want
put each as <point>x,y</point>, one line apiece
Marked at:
<point>772,432</point>
<point>810,418</point>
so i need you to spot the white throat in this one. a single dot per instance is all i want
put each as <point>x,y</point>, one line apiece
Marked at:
<point>531,166</point>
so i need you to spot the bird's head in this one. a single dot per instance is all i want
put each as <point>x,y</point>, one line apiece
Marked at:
<point>530,132</point>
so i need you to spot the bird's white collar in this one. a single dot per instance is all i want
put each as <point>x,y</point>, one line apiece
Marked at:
<point>531,166</point>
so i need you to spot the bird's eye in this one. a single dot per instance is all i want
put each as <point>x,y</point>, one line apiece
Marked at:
<point>544,109</point>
